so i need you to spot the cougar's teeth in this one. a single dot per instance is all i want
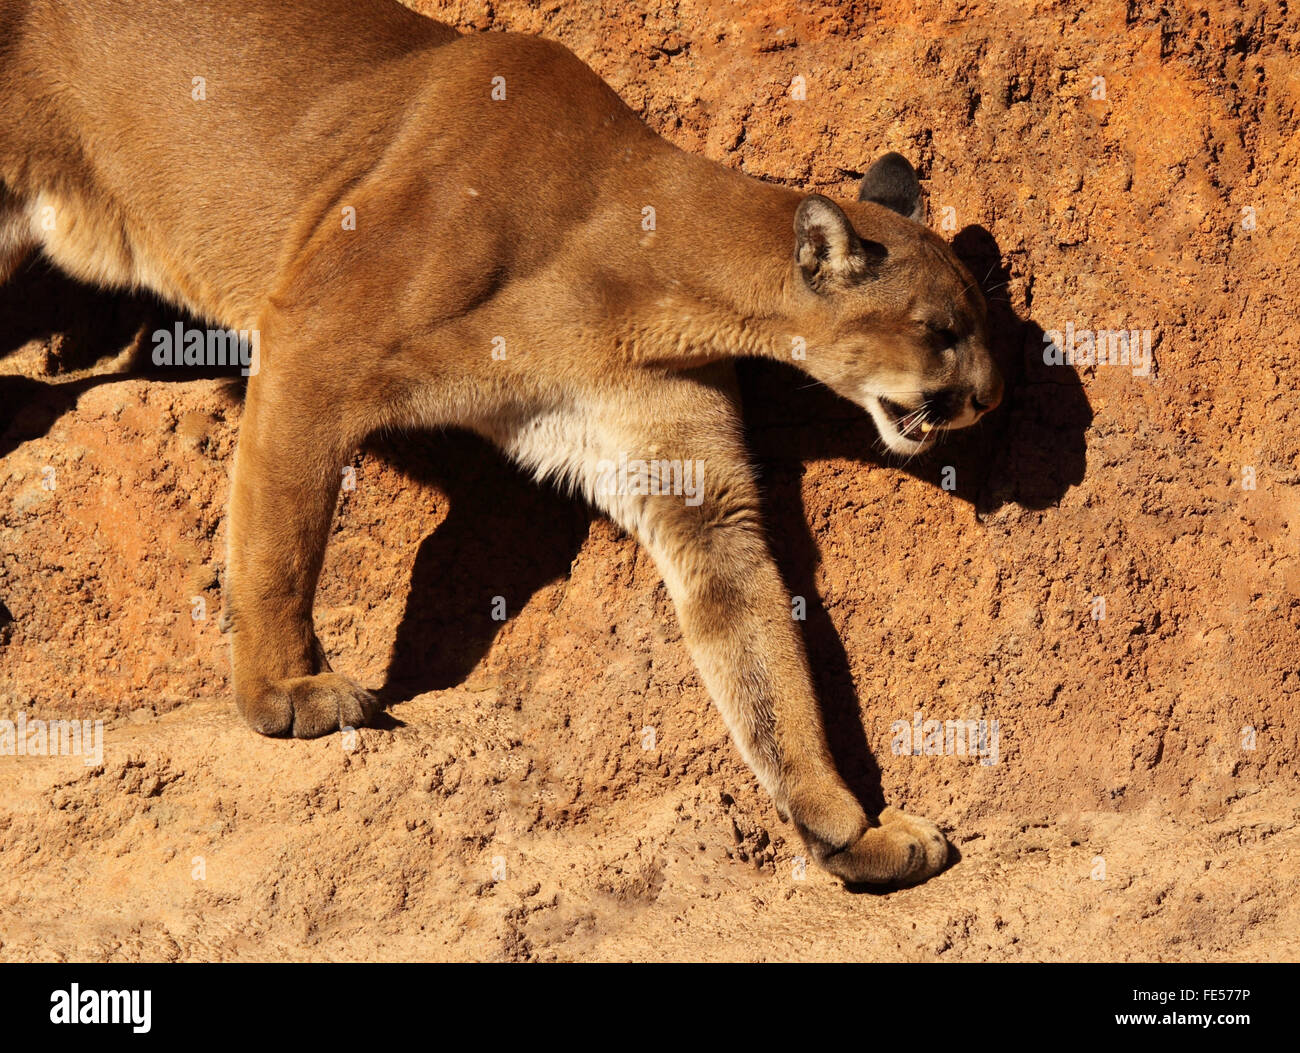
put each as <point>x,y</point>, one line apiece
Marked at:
<point>926,427</point>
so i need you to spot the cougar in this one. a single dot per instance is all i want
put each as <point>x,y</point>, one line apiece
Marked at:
<point>436,230</point>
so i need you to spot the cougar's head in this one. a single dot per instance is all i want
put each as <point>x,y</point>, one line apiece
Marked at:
<point>893,320</point>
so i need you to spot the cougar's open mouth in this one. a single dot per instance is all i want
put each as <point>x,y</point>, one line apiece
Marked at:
<point>904,429</point>
<point>898,414</point>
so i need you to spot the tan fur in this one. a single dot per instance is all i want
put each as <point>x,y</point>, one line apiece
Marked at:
<point>477,218</point>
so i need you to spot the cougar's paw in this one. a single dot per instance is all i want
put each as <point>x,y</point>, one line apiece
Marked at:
<point>900,850</point>
<point>930,836</point>
<point>309,706</point>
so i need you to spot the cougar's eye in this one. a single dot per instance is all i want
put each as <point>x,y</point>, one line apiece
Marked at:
<point>942,337</point>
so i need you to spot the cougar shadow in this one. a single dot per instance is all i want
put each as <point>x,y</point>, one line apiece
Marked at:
<point>1027,452</point>
<point>78,326</point>
<point>504,538</point>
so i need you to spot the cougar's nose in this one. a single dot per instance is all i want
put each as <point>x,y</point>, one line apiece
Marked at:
<point>989,398</point>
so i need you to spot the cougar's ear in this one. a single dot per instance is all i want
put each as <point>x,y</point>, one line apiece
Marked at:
<point>892,182</point>
<point>828,249</point>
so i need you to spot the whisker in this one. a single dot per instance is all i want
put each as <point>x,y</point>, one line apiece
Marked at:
<point>912,420</point>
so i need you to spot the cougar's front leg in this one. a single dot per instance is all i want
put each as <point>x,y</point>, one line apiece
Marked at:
<point>292,444</point>
<point>735,614</point>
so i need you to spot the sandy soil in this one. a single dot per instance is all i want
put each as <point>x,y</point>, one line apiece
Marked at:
<point>512,806</point>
